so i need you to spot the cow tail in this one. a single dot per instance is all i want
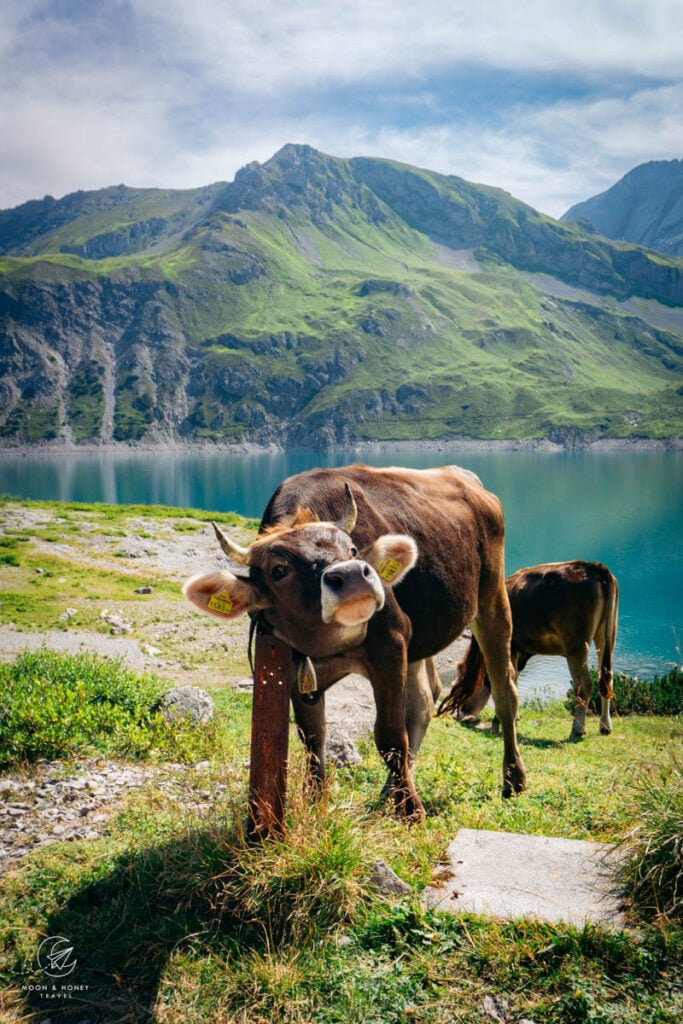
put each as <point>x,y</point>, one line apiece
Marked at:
<point>610,618</point>
<point>471,674</point>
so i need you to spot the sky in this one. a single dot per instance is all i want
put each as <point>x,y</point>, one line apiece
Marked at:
<point>551,100</point>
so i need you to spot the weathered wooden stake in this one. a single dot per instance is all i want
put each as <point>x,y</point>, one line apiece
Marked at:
<point>269,735</point>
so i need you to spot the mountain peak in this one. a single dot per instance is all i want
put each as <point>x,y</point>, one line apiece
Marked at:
<point>644,207</point>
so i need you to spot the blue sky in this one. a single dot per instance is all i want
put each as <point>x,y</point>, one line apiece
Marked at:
<point>552,101</point>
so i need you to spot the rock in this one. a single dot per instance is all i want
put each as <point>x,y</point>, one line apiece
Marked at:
<point>496,1008</point>
<point>383,879</point>
<point>245,685</point>
<point>144,590</point>
<point>68,614</point>
<point>117,622</point>
<point>341,751</point>
<point>187,700</point>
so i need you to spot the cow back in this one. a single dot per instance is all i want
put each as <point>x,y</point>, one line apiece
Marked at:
<point>456,524</point>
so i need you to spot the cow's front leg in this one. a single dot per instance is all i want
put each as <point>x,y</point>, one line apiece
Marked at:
<point>393,748</point>
<point>310,720</point>
<point>391,737</point>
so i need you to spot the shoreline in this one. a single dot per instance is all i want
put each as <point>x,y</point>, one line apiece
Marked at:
<point>541,445</point>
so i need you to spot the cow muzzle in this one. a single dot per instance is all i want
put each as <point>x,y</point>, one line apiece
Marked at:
<point>351,593</point>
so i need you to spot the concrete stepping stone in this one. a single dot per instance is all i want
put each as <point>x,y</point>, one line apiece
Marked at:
<point>509,876</point>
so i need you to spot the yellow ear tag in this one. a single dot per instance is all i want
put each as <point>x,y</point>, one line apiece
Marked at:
<point>388,569</point>
<point>221,603</point>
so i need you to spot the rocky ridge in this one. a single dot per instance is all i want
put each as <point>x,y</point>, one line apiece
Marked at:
<point>319,301</point>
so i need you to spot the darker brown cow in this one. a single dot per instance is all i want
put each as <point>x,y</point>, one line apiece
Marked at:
<point>559,608</point>
<point>377,586</point>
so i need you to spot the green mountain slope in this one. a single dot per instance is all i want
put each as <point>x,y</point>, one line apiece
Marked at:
<point>318,301</point>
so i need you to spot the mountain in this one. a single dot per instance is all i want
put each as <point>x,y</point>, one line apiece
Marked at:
<point>645,207</point>
<point>316,301</point>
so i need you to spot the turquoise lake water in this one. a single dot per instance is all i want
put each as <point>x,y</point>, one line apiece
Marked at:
<point>623,509</point>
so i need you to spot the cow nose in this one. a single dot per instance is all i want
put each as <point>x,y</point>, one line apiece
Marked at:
<point>336,577</point>
<point>334,580</point>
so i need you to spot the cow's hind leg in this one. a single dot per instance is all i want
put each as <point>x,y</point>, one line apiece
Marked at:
<point>423,688</point>
<point>581,681</point>
<point>493,630</point>
<point>606,679</point>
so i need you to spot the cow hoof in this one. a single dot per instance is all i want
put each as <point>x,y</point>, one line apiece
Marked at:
<point>576,737</point>
<point>605,730</point>
<point>410,809</point>
<point>514,781</point>
<point>468,720</point>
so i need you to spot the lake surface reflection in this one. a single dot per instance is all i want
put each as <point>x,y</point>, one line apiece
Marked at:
<point>621,508</point>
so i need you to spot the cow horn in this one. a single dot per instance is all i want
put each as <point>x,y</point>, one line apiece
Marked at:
<point>231,549</point>
<point>350,514</point>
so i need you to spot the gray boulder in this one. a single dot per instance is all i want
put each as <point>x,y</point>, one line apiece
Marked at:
<point>187,701</point>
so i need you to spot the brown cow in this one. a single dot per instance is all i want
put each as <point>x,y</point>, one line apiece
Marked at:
<point>559,608</point>
<point>377,585</point>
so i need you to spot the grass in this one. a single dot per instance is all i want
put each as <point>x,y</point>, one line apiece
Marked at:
<point>654,872</point>
<point>176,916</point>
<point>63,706</point>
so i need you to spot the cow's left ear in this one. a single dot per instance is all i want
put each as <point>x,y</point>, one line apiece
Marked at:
<point>391,556</point>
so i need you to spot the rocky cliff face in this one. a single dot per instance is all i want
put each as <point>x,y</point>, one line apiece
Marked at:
<point>317,301</point>
<point>645,207</point>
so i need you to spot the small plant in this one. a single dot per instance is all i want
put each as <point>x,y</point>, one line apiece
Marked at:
<point>654,872</point>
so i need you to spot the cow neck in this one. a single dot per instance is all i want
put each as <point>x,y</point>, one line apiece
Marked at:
<point>260,621</point>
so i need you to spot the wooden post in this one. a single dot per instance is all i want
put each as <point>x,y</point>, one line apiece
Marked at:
<point>269,735</point>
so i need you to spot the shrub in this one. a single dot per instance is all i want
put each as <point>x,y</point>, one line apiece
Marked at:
<point>54,705</point>
<point>662,695</point>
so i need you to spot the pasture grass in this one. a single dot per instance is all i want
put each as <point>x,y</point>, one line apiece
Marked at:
<point>176,916</point>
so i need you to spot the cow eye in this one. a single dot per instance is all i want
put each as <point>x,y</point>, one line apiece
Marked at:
<point>354,552</point>
<point>278,572</point>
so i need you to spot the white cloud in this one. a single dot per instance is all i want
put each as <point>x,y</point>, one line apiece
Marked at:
<point>162,92</point>
<point>266,42</point>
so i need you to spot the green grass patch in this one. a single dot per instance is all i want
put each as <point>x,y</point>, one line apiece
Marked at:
<point>45,586</point>
<point>176,917</point>
<point>63,706</point>
<point>109,513</point>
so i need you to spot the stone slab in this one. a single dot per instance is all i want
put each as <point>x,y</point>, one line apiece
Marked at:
<point>505,875</point>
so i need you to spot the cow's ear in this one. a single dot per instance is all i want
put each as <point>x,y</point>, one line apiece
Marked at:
<point>223,595</point>
<point>392,556</point>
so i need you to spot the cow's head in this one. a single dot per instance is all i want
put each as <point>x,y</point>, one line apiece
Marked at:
<point>317,590</point>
